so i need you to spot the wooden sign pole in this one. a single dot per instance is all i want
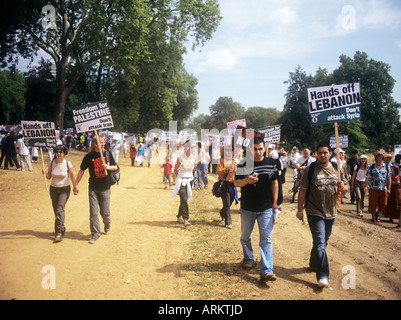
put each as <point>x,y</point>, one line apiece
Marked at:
<point>337,151</point>
<point>43,167</point>
<point>100,149</point>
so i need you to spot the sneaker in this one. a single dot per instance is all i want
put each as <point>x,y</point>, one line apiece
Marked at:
<point>58,238</point>
<point>93,240</point>
<point>229,226</point>
<point>187,223</point>
<point>179,219</point>
<point>323,282</point>
<point>107,228</point>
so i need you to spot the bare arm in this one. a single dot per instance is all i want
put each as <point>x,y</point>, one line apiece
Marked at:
<point>275,194</point>
<point>77,180</point>
<point>72,177</point>
<point>301,200</point>
<point>243,182</point>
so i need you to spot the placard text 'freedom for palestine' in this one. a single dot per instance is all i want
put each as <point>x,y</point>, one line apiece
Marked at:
<point>92,116</point>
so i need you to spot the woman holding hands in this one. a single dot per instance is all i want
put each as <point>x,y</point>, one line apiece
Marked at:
<point>60,171</point>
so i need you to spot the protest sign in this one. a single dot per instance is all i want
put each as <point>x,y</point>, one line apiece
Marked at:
<point>231,126</point>
<point>397,149</point>
<point>337,103</point>
<point>272,134</point>
<point>244,136</point>
<point>342,141</point>
<point>39,134</point>
<point>333,104</point>
<point>92,116</point>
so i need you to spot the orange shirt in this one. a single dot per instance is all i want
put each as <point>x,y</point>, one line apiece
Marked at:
<point>222,170</point>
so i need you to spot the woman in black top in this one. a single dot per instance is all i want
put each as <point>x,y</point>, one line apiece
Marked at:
<point>99,187</point>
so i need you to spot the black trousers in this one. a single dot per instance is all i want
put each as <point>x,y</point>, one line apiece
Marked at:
<point>183,210</point>
<point>227,197</point>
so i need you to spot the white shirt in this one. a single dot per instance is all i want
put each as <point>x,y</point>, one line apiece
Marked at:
<point>294,157</point>
<point>284,160</point>
<point>302,160</point>
<point>22,149</point>
<point>60,173</point>
<point>360,175</point>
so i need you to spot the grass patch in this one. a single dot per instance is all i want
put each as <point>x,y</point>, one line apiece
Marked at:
<point>213,267</point>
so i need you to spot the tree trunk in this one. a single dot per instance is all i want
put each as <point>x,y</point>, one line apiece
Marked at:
<point>62,92</point>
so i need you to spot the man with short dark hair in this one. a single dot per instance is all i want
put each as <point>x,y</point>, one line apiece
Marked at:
<point>259,192</point>
<point>318,190</point>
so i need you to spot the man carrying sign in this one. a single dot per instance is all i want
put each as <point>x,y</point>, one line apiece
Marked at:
<point>318,190</point>
<point>99,186</point>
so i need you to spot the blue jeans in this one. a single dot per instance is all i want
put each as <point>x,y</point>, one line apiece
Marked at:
<point>265,223</point>
<point>201,170</point>
<point>321,231</point>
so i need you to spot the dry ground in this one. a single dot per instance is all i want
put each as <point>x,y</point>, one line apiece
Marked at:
<point>147,255</point>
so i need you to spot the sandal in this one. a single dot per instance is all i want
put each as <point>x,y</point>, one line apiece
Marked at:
<point>377,218</point>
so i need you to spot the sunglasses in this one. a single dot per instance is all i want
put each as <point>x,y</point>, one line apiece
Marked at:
<point>59,151</point>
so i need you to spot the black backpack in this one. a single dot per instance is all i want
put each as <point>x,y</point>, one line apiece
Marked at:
<point>114,176</point>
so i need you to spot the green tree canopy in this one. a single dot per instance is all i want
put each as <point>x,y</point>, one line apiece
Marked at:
<point>12,96</point>
<point>259,117</point>
<point>380,124</point>
<point>88,35</point>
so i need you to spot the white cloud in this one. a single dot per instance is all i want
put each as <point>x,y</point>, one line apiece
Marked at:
<point>221,59</point>
<point>378,14</point>
<point>283,16</point>
<point>285,29</point>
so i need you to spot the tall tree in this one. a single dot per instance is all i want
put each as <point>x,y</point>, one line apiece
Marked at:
<point>225,110</point>
<point>297,128</point>
<point>40,94</point>
<point>259,117</point>
<point>84,34</point>
<point>12,96</point>
<point>380,113</point>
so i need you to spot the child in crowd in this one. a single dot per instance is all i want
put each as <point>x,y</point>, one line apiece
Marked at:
<point>168,170</point>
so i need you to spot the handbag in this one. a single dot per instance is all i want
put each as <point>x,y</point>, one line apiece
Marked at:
<point>114,176</point>
<point>218,186</point>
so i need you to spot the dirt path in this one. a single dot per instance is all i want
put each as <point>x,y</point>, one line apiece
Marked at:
<point>147,254</point>
<point>122,265</point>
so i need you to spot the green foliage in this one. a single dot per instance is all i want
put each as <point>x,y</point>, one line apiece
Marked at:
<point>225,110</point>
<point>110,43</point>
<point>41,93</point>
<point>12,96</point>
<point>380,125</point>
<point>380,113</point>
<point>259,117</point>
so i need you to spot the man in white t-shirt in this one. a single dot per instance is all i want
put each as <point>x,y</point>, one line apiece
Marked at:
<point>304,161</point>
<point>295,155</point>
<point>23,152</point>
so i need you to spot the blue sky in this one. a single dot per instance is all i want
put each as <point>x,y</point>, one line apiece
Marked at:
<point>259,42</point>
